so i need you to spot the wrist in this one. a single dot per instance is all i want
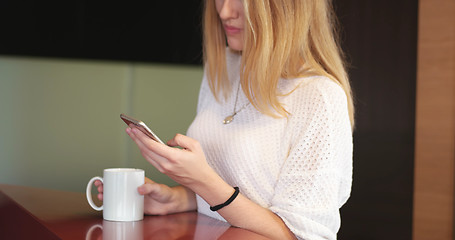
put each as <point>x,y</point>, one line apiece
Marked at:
<point>214,190</point>
<point>230,199</point>
<point>183,200</point>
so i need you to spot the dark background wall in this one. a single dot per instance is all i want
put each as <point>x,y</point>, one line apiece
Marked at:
<point>379,37</point>
<point>135,30</point>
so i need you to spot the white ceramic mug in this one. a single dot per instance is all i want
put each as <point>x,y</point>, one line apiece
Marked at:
<point>121,201</point>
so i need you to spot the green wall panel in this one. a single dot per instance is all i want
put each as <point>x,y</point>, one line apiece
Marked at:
<point>59,119</point>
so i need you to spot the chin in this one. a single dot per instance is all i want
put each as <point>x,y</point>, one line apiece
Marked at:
<point>235,49</point>
<point>235,45</point>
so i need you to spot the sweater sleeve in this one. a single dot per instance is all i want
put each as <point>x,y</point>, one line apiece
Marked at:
<point>315,179</point>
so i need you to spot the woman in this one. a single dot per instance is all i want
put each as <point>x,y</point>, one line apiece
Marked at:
<point>274,119</point>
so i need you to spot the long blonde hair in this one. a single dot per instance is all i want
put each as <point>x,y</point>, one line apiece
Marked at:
<point>283,39</point>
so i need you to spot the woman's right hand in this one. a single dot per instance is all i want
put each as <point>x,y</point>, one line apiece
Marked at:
<point>160,199</point>
<point>99,186</point>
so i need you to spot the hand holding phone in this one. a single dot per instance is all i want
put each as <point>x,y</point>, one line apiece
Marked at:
<point>141,126</point>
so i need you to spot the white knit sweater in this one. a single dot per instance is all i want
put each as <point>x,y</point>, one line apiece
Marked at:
<point>300,167</point>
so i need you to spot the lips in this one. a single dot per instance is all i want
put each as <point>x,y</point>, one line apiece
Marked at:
<point>231,30</point>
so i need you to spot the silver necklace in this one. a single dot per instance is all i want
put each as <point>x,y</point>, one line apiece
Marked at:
<point>230,118</point>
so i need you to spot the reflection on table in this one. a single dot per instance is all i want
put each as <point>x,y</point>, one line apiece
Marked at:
<point>33,213</point>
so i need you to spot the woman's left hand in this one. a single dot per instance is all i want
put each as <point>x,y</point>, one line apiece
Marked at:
<point>186,166</point>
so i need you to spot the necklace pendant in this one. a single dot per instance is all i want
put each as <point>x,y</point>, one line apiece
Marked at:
<point>228,119</point>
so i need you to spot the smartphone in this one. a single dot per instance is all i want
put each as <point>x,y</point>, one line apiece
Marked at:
<point>141,126</point>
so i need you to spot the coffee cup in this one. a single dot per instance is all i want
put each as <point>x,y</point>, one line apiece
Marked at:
<point>121,201</point>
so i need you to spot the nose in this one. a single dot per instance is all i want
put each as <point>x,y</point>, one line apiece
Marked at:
<point>228,10</point>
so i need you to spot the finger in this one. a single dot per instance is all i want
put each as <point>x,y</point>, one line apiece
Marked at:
<point>155,191</point>
<point>99,186</point>
<point>100,196</point>
<point>161,150</point>
<point>158,152</point>
<point>147,188</point>
<point>184,142</point>
<point>140,139</point>
<point>100,189</point>
<point>155,159</point>
<point>159,155</point>
<point>98,183</point>
<point>138,134</point>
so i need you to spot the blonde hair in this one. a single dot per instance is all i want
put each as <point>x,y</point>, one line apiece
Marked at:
<point>283,39</point>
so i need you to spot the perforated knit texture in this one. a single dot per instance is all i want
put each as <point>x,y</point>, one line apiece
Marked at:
<point>300,167</point>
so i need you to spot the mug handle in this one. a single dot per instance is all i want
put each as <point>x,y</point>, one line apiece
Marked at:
<point>88,235</point>
<point>89,194</point>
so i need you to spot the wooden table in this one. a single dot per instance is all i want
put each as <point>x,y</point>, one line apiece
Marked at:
<point>34,213</point>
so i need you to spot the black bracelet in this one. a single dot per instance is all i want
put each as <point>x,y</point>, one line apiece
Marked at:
<point>220,206</point>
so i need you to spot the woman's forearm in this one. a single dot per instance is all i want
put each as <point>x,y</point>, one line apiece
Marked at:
<point>246,214</point>
<point>243,212</point>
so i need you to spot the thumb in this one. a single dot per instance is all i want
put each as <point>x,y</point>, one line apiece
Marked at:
<point>184,142</point>
<point>149,187</point>
<point>156,191</point>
